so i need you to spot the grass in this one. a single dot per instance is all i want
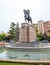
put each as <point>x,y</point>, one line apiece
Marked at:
<point>9,63</point>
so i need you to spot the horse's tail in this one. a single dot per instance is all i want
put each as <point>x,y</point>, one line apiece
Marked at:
<point>31,20</point>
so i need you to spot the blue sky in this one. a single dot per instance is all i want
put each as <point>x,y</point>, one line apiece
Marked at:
<point>12,11</point>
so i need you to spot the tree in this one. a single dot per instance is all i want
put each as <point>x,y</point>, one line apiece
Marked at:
<point>12,29</point>
<point>48,36</point>
<point>17,32</point>
<point>49,30</point>
<point>8,38</point>
<point>40,37</point>
<point>36,31</point>
<point>2,35</point>
<point>45,36</point>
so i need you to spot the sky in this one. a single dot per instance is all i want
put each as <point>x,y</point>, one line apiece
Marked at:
<point>12,11</point>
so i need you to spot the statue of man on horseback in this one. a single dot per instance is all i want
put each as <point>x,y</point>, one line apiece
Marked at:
<point>27,15</point>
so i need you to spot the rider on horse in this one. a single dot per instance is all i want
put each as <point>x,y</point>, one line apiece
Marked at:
<point>27,15</point>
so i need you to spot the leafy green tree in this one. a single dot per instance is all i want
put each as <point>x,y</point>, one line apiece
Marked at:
<point>40,37</point>
<point>12,29</point>
<point>17,32</point>
<point>44,36</point>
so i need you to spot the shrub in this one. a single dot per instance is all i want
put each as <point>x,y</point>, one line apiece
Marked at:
<point>48,37</point>
<point>39,37</point>
<point>2,35</point>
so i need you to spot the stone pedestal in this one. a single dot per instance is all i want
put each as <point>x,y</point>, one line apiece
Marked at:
<point>27,33</point>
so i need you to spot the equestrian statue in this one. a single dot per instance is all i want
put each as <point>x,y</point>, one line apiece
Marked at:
<point>27,15</point>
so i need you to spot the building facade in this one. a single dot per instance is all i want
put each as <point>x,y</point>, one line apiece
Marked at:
<point>46,27</point>
<point>43,27</point>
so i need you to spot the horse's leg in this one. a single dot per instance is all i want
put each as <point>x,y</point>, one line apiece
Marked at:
<point>25,20</point>
<point>28,21</point>
<point>31,21</point>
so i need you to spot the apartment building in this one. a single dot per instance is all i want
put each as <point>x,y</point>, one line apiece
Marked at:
<point>43,27</point>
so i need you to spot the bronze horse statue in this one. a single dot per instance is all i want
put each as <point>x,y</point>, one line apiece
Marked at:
<point>27,15</point>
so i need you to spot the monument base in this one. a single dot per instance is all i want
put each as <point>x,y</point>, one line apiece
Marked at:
<point>27,33</point>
